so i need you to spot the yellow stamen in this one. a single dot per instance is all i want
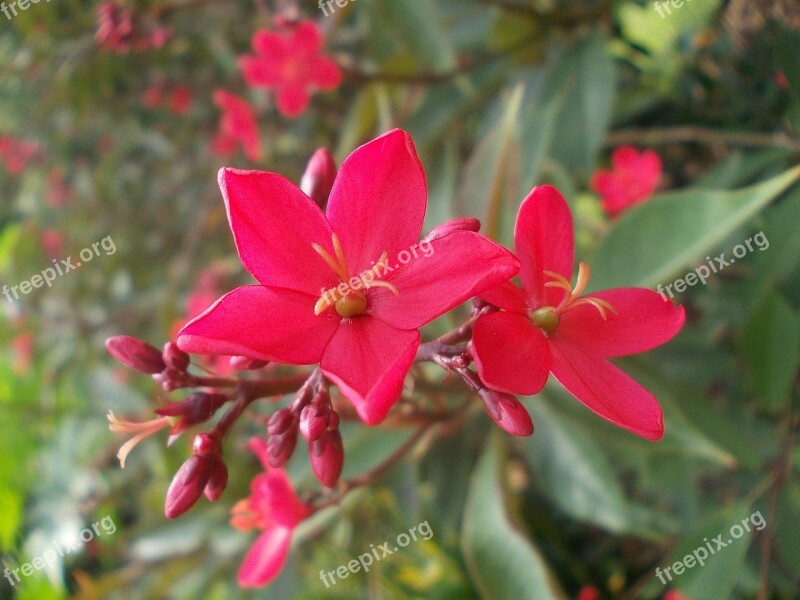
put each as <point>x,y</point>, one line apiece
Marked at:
<point>572,298</point>
<point>145,429</point>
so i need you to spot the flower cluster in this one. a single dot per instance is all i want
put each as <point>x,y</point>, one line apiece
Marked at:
<point>176,99</point>
<point>351,352</point>
<point>16,154</point>
<point>117,31</point>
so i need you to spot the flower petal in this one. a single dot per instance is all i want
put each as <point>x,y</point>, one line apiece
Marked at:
<point>368,360</point>
<point>270,44</point>
<point>606,390</point>
<point>453,268</point>
<point>324,73</point>
<point>259,71</point>
<point>506,296</point>
<point>307,38</point>
<point>261,322</point>
<point>644,321</point>
<point>293,100</point>
<point>543,239</point>
<point>274,498</point>
<point>511,354</point>
<point>378,200</point>
<point>266,557</point>
<point>274,225</point>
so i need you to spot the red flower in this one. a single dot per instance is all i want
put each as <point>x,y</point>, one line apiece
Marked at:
<point>588,592</point>
<point>290,62</point>
<point>632,179</point>
<point>180,100</point>
<point>274,508</point>
<point>341,289</point>
<point>237,126</point>
<point>547,326</point>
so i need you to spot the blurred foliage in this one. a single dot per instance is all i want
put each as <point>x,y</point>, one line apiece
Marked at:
<point>499,95</point>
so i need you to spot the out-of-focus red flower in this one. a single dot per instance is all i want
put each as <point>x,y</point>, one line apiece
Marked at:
<point>152,96</point>
<point>781,80</point>
<point>117,31</point>
<point>588,592</point>
<point>632,179</point>
<point>180,100</point>
<point>16,154</point>
<point>548,327</point>
<point>274,508</point>
<point>331,290</point>
<point>52,242</point>
<point>237,127</point>
<point>674,595</point>
<point>290,62</point>
<point>22,352</point>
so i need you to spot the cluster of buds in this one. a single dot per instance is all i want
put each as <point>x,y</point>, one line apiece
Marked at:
<point>203,473</point>
<point>311,415</point>
<point>117,31</point>
<point>317,180</point>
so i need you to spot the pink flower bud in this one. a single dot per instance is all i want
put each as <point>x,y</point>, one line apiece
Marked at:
<point>245,363</point>
<point>207,444</point>
<point>188,484</point>
<point>507,412</point>
<point>174,357</point>
<point>314,421</point>
<point>280,421</point>
<point>448,227</point>
<point>217,482</point>
<point>135,354</point>
<point>281,447</point>
<point>197,408</point>
<point>327,457</point>
<point>318,178</point>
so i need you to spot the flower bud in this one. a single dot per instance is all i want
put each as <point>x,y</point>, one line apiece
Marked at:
<point>188,484</point>
<point>448,227</point>
<point>318,178</point>
<point>175,358</point>
<point>327,457</point>
<point>217,482</point>
<point>245,363</point>
<point>197,408</point>
<point>281,447</point>
<point>207,444</point>
<point>507,412</point>
<point>280,421</point>
<point>314,421</point>
<point>135,354</point>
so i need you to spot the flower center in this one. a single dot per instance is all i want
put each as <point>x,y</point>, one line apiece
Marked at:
<point>547,318</point>
<point>346,298</point>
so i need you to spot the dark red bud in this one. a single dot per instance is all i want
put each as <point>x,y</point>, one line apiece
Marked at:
<point>280,421</point>
<point>217,482</point>
<point>207,444</point>
<point>318,178</point>
<point>245,363</point>
<point>314,421</point>
<point>333,420</point>
<point>281,447</point>
<point>188,484</point>
<point>197,408</point>
<point>327,457</point>
<point>135,354</point>
<point>448,227</point>
<point>175,357</point>
<point>507,412</point>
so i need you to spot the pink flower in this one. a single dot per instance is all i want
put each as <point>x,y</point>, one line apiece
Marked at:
<point>274,508</point>
<point>632,179</point>
<point>548,327</point>
<point>588,592</point>
<point>335,288</point>
<point>674,595</point>
<point>237,126</point>
<point>292,64</point>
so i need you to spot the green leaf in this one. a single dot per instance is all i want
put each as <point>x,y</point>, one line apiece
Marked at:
<point>771,344</point>
<point>654,241</point>
<point>501,561</point>
<point>571,469</point>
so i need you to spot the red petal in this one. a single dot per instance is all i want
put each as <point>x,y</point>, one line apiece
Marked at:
<point>270,44</point>
<point>644,321</point>
<point>606,390</point>
<point>274,225</point>
<point>368,360</point>
<point>258,71</point>
<point>266,557</point>
<point>261,322</point>
<point>452,269</point>
<point>511,354</point>
<point>273,497</point>
<point>543,240</point>
<point>378,200</point>
<point>324,73</point>
<point>293,100</point>
<point>506,296</point>
<point>307,38</point>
